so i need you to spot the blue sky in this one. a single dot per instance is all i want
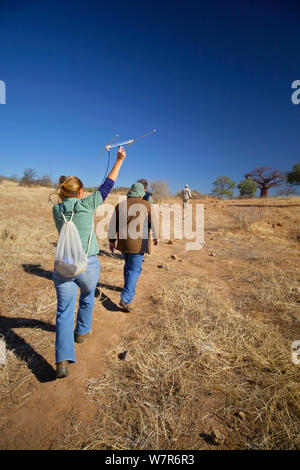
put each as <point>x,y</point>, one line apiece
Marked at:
<point>214,78</point>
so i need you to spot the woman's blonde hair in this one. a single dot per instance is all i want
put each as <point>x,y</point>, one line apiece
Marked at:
<point>68,186</point>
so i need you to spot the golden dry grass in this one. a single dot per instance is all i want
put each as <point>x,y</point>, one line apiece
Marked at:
<point>213,355</point>
<point>199,364</point>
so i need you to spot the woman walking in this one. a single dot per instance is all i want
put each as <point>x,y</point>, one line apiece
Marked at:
<point>70,190</point>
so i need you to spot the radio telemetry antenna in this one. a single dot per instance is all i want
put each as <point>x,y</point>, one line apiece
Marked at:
<point>125,143</point>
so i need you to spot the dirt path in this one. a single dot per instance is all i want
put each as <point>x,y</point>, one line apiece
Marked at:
<point>37,411</point>
<point>52,404</point>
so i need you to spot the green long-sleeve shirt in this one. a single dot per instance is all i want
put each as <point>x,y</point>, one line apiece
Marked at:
<point>83,218</point>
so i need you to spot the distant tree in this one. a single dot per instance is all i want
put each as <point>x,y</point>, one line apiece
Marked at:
<point>287,189</point>
<point>122,190</point>
<point>14,177</point>
<point>90,189</point>
<point>223,186</point>
<point>266,178</point>
<point>247,188</point>
<point>45,180</point>
<point>195,194</point>
<point>160,190</point>
<point>29,177</point>
<point>293,177</point>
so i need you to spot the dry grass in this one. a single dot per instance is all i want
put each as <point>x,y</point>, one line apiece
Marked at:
<point>198,365</point>
<point>246,217</point>
<point>207,358</point>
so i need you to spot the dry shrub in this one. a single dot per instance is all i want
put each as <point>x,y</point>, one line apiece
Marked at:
<point>246,217</point>
<point>14,376</point>
<point>293,235</point>
<point>276,291</point>
<point>8,235</point>
<point>197,365</point>
<point>271,290</point>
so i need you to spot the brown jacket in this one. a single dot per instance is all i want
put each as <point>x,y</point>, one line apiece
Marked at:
<point>132,223</point>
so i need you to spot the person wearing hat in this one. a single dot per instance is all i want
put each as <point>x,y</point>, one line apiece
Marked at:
<point>130,228</point>
<point>186,195</point>
<point>148,194</point>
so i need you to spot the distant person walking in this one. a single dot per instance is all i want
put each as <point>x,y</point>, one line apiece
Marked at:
<point>81,210</point>
<point>130,226</point>
<point>186,195</point>
<point>148,194</point>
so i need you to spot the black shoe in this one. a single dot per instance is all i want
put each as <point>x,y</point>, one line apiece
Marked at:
<point>125,305</point>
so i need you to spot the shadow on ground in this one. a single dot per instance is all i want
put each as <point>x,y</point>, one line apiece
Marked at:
<point>264,206</point>
<point>43,371</point>
<point>109,305</point>
<point>110,255</point>
<point>37,270</point>
<point>109,287</point>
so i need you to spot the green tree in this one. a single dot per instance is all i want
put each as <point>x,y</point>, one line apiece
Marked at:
<point>223,186</point>
<point>247,187</point>
<point>293,177</point>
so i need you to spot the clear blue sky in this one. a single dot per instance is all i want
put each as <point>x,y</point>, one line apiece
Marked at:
<point>214,78</point>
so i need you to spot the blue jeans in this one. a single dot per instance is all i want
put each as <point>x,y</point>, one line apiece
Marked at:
<point>66,290</point>
<point>132,271</point>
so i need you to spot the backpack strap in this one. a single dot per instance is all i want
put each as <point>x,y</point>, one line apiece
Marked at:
<point>63,215</point>
<point>90,238</point>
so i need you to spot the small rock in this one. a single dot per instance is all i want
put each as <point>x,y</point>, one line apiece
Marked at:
<point>206,347</point>
<point>241,415</point>
<point>212,254</point>
<point>123,355</point>
<point>296,289</point>
<point>173,256</point>
<point>217,437</point>
<point>163,266</point>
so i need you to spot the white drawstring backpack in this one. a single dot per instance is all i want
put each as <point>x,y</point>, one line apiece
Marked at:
<point>70,258</point>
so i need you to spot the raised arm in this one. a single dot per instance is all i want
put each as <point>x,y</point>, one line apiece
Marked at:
<point>109,182</point>
<point>116,168</point>
<point>99,196</point>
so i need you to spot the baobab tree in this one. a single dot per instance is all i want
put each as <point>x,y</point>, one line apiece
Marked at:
<point>266,178</point>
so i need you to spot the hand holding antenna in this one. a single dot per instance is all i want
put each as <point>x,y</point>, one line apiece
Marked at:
<point>119,161</point>
<point>121,154</point>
